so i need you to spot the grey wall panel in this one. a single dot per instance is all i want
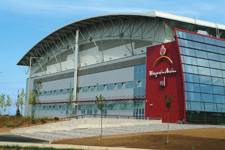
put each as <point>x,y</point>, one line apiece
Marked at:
<point>113,76</point>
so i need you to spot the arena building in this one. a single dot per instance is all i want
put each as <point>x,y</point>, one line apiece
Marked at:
<point>153,65</point>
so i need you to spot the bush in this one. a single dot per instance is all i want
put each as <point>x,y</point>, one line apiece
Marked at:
<point>43,121</point>
<point>56,118</point>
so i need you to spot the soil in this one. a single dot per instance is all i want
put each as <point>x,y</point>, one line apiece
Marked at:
<point>10,122</point>
<point>188,139</point>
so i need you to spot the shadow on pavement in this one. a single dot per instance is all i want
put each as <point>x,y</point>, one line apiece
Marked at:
<point>17,138</point>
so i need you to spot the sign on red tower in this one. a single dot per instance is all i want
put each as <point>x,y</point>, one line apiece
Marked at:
<point>164,83</point>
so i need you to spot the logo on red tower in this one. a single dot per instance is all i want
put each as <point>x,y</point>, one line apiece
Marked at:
<point>162,50</point>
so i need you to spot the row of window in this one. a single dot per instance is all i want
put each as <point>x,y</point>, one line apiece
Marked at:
<point>203,71</point>
<point>201,39</point>
<point>113,86</point>
<point>201,106</point>
<point>204,97</point>
<point>99,87</point>
<point>202,54</point>
<point>203,88</point>
<point>201,46</point>
<point>203,62</point>
<point>52,107</point>
<point>202,79</point>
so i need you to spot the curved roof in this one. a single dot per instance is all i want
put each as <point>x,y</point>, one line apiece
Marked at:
<point>33,52</point>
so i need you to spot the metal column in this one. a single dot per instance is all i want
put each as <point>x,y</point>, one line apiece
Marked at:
<point>76,49</point>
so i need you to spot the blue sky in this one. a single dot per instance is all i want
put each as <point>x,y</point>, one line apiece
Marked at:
<point>25,22</point>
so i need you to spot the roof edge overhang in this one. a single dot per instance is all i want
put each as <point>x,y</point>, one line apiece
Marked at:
<point>153,14</point>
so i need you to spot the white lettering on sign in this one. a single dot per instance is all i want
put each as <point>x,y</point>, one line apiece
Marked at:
<point>161,72</point>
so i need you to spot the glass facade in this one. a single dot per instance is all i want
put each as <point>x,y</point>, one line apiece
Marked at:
<point>203,60</point>
<point>134,106</point>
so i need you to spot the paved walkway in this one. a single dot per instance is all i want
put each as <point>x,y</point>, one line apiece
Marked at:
<point>88,127</point>
<point>62,146</point>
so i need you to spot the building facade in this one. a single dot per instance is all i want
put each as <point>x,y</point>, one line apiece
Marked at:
<point>115,56</point>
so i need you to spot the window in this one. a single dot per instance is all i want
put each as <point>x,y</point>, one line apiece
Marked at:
<point>191,77</point>
<point>191,69</point>
<point>110,86</point>
<point>206,88</point>
<point>213,56</point>
<point>203,62</point>
<point>189,60</point>
<point>218,90</point>
<point>217,81</point>
<point>130,84</point>
<point>205,79</point>
<point>201,54</point>
<point>193,96</point>
<point>206,97</point>
<point>216,73</point>
<point>192,87</point>
<point>204,71</point>
<point>219,98</point>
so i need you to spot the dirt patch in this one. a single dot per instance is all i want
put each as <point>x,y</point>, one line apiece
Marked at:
<point>4,130</point>
<point>191,139</point>
<point>11,122</point>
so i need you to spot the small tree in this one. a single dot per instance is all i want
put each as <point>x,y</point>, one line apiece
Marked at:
<point>20,100</point>
<point>71,96</point>
<point>8,103</point>
<point>17,105</point>
<point>100,106</point>
<point>168,100</point>
<point>2,103</point>
<point>32,102</point>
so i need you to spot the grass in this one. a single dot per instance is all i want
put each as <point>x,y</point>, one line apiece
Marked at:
<point>30,148</point>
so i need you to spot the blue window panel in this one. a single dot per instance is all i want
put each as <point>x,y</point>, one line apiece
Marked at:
<point>201,54</point>
<point>218,90</point>
<point>100,87</point>
<point>183,42</point>
<point>192,87</point>
<point>219,98</point>
<point>216,73</point>
<point>204,71</point>
<point>189,60</point>
<point>205,79</point>
<point>222,58</point>
<point>193,96</point>
<point>206,97</point>
<point>223,74</point>
<point>110,86</point>
<point>214,64</point>
<point>187,51</point>
<point>206,88</point>
<point>191,77</point>
<point>220,107</point>
<point>211,107</point>
<point>203,62</point>
<point>217,81</point>
<point>213,56</point>
<point>190,69</point>
<point>130,84</point>
<point>197,106</point>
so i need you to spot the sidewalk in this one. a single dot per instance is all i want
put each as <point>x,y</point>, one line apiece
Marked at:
<point>62,146</point>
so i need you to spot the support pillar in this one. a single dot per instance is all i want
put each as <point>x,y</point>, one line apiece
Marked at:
<point>76,49</point>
